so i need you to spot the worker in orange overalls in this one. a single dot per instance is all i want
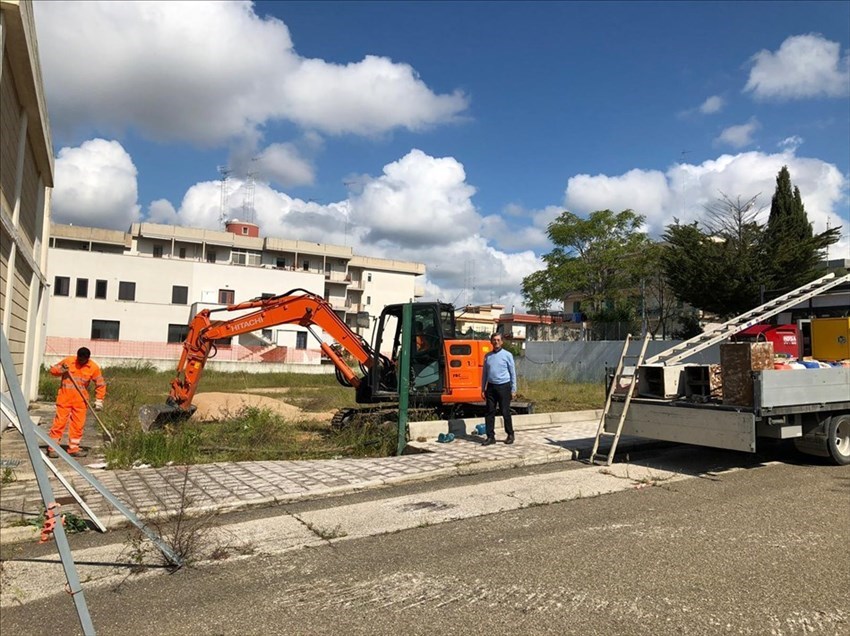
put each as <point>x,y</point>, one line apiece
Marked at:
<point>71,400</point>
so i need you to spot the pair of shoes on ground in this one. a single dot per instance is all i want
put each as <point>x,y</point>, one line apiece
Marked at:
<point>445,438</point>
<point>492,440</point>
<point>52,454</point>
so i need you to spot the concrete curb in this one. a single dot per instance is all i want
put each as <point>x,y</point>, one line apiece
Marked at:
<point>465,426</point>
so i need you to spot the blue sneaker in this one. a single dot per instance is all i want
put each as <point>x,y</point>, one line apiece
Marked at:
<point>441,438</point>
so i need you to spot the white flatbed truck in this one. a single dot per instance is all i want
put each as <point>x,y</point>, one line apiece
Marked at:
<point>810,406</point>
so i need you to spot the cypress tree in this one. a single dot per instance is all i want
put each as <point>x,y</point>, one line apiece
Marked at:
<point>792,252</point>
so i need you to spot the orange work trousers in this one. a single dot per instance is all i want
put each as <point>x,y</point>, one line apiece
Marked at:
<point>68,408</point>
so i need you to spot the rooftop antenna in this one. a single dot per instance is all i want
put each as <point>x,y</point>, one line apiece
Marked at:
<point>248,200</point>
<point>224,171</point>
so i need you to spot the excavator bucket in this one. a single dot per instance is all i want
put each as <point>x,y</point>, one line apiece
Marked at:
<point>153,417</point>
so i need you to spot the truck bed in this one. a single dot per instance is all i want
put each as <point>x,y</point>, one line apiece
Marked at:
<point>777,393</point>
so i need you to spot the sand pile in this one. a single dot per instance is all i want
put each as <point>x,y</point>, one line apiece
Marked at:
<point>217,406</point>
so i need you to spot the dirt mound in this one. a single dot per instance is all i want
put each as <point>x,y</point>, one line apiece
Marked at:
<point>218,406</point>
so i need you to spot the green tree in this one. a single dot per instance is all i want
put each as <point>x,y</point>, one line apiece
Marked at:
<point>600,257</point>
<point>718,269</point>
<point>791,249</point>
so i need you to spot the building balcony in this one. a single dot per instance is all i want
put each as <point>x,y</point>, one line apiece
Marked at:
<point>338,278</point>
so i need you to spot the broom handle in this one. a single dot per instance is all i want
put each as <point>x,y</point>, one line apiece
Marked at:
<point>91,408</point>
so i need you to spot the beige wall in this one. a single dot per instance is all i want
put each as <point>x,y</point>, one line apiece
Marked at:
<point>26,176</point>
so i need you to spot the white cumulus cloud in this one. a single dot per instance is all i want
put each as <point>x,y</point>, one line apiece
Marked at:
<point>644,191</point>
<point>804,66</point>
<point>418,201</point>
<point>740,135</point>
<point>283,164</point>
<point>211,72</point>
<point>95,184</point>
<point>713,104</point>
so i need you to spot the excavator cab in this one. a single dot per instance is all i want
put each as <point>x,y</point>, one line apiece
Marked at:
<point>433,324</point>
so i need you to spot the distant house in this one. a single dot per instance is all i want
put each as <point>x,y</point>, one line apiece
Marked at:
<point>521,328</point>
<point>26,179</point>
<point>477,321</point>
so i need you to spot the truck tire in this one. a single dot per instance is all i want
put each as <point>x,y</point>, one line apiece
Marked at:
<point>838,439</point>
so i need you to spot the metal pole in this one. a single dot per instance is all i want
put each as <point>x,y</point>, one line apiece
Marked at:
<point>404,375</point>
<point>50,505</point>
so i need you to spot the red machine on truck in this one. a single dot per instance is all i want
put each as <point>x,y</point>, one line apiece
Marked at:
<point>445,370</point>
<point>785,338</point>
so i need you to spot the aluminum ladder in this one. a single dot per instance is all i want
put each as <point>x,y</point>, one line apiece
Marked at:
<point>753,317</point>
<point>619,374</point>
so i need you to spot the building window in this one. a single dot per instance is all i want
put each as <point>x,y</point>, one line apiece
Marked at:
<point>126,291</point>
<point>306,266</point>
<point>61,286</point>
<point>157,251</point>
<point>368,300</point>
<point>369,277</point>
<point>179,295</point>
<point>211,256</point>
<point>244,257</point>
<point>226,296</point>
<point>268,335</point>
<point>177,333</point>
<point>245,230</point>
<point>100,289</point>
<point>105,329</point>
<point>301,340</point>
<point>82,287</point>
<point>182,252</point>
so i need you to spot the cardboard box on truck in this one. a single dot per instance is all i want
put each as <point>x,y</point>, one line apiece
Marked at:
<point>738,360</point>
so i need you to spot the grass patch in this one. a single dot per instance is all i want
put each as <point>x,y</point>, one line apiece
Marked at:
<point>556,395</point>
<point>251,434</point>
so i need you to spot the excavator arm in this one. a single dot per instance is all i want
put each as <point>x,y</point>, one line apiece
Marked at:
<point>297,306</point>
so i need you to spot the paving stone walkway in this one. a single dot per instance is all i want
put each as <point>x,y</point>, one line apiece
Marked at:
<point>237,485</point>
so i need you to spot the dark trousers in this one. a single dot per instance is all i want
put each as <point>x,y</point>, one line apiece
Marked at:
<point>498,394</point>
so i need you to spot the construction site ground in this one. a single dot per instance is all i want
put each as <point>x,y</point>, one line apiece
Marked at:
<point>218,487</point>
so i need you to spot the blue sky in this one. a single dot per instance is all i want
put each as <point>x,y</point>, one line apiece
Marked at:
<point>449,133</point>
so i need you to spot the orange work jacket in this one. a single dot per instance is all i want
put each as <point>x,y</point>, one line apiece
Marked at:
<point>83,375</point>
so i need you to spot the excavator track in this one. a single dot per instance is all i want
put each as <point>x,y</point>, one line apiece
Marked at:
<point>353,416</point>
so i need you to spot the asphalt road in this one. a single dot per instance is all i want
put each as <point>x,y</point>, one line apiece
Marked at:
<point>764,549</point>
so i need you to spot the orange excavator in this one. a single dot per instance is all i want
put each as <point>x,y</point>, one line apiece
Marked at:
<point>445,370</point>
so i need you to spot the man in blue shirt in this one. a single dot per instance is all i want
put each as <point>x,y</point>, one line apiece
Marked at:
<point>498,387</point>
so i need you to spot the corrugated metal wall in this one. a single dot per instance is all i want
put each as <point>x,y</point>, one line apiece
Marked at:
<point>586,361</point>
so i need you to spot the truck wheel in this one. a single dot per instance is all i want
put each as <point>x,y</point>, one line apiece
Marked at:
<point>838,439</point>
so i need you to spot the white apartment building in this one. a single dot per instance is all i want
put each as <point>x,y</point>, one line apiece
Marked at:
<point>26,180</point>
<point>129,296</point>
